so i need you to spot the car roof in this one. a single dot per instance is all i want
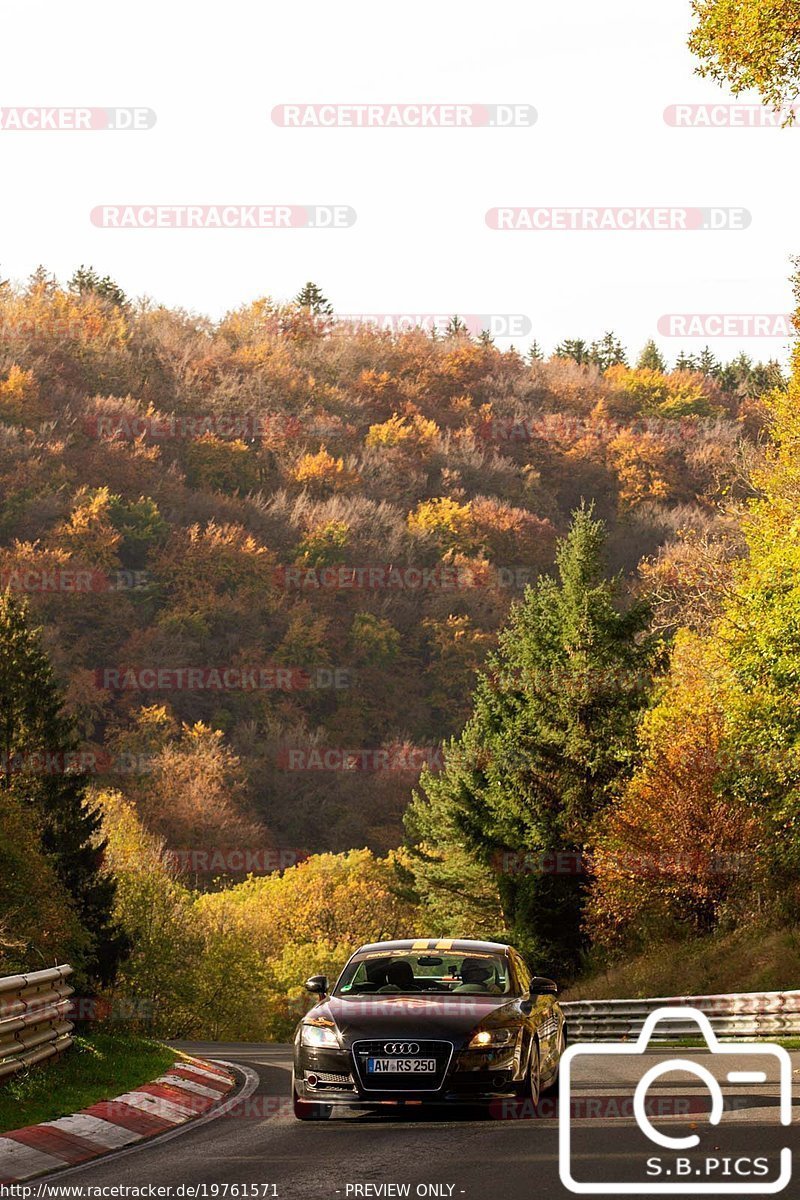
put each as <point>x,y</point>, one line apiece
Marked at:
<point>423,945</point>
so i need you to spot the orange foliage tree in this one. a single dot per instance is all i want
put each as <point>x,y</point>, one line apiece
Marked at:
<point>680,849</point>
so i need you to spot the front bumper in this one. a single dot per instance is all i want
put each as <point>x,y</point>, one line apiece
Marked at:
<point>328,1076</point>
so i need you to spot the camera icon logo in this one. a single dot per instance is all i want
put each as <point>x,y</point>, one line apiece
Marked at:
<point>677,1171</point>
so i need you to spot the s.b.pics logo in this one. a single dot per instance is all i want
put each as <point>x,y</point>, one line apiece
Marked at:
<point>687,1139</point>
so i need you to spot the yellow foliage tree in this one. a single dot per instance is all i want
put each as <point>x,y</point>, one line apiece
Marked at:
<point>19,397</point>
<point>413,433</point>
<point>88,533</point>
<point>310,918</point>
<point>189,972</point>
<point>643,467</point>
<point>323,473</point>
<point>221,465</point>
<point>447,521</point>
<point>38,921</point>
<point>655,394</point>
<point>224,560</point>
<point>345,899</point>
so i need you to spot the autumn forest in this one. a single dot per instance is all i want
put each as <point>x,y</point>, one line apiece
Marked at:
<point>325,616</point>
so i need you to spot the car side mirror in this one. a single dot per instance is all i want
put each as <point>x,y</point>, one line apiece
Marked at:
<point>540,986</point>
<point>318,984</point>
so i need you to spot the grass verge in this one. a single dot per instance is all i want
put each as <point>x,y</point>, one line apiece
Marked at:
<point>97,1067</point>
<point>749,960</point>
<point>792,1043</point>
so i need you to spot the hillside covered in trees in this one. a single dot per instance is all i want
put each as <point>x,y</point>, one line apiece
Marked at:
<point>337,517</point>
<point>503,644</point>
<point>507,645</point>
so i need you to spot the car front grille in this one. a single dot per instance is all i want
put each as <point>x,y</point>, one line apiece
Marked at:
<point>441,1052</point>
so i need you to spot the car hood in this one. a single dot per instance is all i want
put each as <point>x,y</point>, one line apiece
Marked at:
<point>371,1016</point>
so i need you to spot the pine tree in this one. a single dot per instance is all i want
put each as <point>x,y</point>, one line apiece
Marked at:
<point>42,282</point>
<point>456,327</point>
<point>686,362</point>
<point>651,358</point>
<point>38,745</point>
<point>766,377</point>
<point>86,279</point>
<point>708,362</point>
<point>311,297</point>
<point>608,352</point>
<point>735,376</point>
<point>574,348</point>
<point>550,739</point>
<point>535,353</point>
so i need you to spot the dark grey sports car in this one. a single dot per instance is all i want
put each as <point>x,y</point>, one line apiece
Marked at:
<point>430,1021</point>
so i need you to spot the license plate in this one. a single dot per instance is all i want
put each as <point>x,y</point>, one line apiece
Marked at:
<point>401,1066</point>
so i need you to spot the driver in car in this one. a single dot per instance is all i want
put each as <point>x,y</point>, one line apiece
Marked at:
<point>399,978</point>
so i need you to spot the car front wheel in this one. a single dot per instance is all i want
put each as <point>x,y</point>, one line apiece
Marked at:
<point>524,1107</point>
<point>534,1081</point>
<point>554,1088</point>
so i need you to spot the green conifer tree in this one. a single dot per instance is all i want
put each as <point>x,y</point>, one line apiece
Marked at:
<point>549,741</point>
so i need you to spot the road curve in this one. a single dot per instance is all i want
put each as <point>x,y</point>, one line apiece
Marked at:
<point>259,1143</point>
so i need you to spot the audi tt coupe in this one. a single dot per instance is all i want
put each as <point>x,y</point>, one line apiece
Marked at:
<point>427,1022</point>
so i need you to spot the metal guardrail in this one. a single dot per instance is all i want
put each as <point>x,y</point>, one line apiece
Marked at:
<point>34,1018</point>
<point>35,1025</point>
<point>745,1015</point>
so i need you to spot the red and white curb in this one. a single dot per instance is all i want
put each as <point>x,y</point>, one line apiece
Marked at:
<point>189,1090</point>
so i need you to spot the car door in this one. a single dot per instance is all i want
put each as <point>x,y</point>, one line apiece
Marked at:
<point>544,1017</point>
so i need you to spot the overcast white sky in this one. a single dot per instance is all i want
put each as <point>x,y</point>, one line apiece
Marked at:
<point>599,72</point>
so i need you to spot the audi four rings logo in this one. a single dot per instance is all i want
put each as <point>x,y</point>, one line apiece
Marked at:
<point>401,1048</point>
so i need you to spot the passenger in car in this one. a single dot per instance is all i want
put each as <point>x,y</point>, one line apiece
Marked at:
<point>475,977</point>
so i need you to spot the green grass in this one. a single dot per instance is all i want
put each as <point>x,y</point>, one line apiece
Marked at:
<point>792,1043</point>
<point>749,960</point>
<point>97,1067</point>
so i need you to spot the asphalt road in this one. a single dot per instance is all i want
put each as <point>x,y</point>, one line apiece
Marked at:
<point>354,1157</point>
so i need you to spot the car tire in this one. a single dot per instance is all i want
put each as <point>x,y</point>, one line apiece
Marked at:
<point>309,1110</point>
<point>527,1101</point>
<point>533,1085</point>
<point>554,1088</point>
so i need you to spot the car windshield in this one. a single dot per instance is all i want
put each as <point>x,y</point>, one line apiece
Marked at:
<point>402,972</point>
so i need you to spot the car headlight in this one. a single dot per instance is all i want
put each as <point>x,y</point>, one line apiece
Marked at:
<point>318,1035</point>
<point>490,1039</point>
